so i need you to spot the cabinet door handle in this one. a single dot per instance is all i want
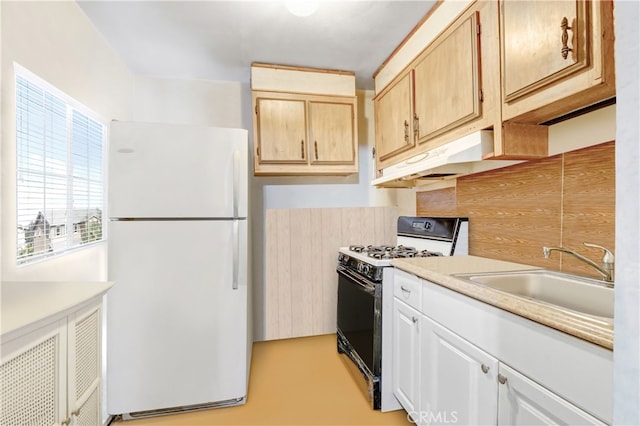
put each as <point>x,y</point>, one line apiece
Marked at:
<point>414,319</point>
<point>416,124</point>
<point>565,38</point>
<point>235,193</point>
<point>406,131</point>
<point>302,148</point>
<point>502,379</point>
<point>75,412</point>
<point>65,422</point>
<point>485,368</point>
<point>315,147</point>
<point>405,289</point>
<point>236,254</point>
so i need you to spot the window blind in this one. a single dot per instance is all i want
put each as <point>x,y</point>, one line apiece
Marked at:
<point>59,167</point>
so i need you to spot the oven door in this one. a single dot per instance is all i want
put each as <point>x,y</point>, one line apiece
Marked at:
<point>360,319</point>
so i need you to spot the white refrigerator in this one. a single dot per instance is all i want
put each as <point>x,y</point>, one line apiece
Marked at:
<point>177,328</point>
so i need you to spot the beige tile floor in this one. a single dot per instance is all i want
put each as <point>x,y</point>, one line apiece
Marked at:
<point>299,381</point>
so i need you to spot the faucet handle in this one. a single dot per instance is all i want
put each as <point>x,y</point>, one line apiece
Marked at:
<point>608,256</point>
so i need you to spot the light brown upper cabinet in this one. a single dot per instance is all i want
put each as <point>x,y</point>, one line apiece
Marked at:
<point>299,134</point>
<point>393,119</point>
<point>331,132</point>
<point>282,130</point>
<point>447,80</point>
<point>556,56</point>
<point>450,89</point>
<point>304,122</point>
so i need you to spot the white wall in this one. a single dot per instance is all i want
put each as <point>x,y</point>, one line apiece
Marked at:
<point>55,41</point>
<point>626,356</point>
<point>197,102</point>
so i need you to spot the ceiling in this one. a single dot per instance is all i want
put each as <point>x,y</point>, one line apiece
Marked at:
<point>218,40</point>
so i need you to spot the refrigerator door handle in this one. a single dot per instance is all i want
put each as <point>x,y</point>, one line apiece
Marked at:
<point>236,179</point>
<point>236,254</point>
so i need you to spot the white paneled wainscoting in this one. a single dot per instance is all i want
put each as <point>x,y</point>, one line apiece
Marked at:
<point>301,258</point>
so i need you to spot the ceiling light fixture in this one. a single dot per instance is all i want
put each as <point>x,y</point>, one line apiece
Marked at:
<point>302,7</point>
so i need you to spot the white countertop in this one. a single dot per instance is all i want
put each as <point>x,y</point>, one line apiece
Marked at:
<point>24,302</point>
<point>439,270</point>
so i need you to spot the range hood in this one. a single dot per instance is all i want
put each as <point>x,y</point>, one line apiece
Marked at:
<point>454,159</point>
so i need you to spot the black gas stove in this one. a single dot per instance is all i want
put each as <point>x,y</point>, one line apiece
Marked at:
<point>365,295</point>
<point>369,260</point>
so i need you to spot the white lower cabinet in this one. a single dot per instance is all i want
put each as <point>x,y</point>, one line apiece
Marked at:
<point>458,380</point>
<point>406,356</point>
<point>462,384</point>
<point>522,401</point>
<point>452,364</point>
<point>407,300</point>
<point>51,376</point>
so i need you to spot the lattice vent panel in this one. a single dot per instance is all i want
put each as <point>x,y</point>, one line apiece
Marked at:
<point>87,356</point>
<point>90,411</point>
<point>28,386</point>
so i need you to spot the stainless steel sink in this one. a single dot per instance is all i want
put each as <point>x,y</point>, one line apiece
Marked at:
<point>582,295</point>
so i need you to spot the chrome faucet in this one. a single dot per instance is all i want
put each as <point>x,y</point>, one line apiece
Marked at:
<point>608,260</point>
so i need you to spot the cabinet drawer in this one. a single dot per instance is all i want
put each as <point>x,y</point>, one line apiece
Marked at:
<point>408,288</point>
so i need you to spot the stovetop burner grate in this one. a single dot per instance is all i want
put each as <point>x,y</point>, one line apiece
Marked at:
<point>391,252</point>
<point>371,248</point>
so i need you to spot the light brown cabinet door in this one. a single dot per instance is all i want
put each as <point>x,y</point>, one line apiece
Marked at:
<point>331,133</point>
<point>447,81</point>
<point>281,131</point>
<point>542,42</point>
<point>393,112</point>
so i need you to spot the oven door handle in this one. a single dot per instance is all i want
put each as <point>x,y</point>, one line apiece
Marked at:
<point>358,280</point>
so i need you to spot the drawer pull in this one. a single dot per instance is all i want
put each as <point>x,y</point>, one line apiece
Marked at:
<point>502,379</point>
<point>405,289</point>
<point>485,368</point>
<point>414,319</point>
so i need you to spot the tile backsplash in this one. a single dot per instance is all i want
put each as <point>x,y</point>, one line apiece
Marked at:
<point>562,200</point>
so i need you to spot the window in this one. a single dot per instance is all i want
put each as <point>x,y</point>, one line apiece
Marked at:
<point>59,171</point>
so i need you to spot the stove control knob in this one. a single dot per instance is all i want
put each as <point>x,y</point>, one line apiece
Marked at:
<point>366,269</point>
<point>360,267</point>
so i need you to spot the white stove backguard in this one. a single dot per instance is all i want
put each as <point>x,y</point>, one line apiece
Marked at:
<point>420,244</point>
<point>444,247</point>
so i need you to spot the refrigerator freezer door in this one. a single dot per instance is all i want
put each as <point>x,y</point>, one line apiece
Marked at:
<point>176,327</point>
<point>168,171</point>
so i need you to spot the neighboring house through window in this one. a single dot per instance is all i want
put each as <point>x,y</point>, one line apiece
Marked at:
<point>59,170</point>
